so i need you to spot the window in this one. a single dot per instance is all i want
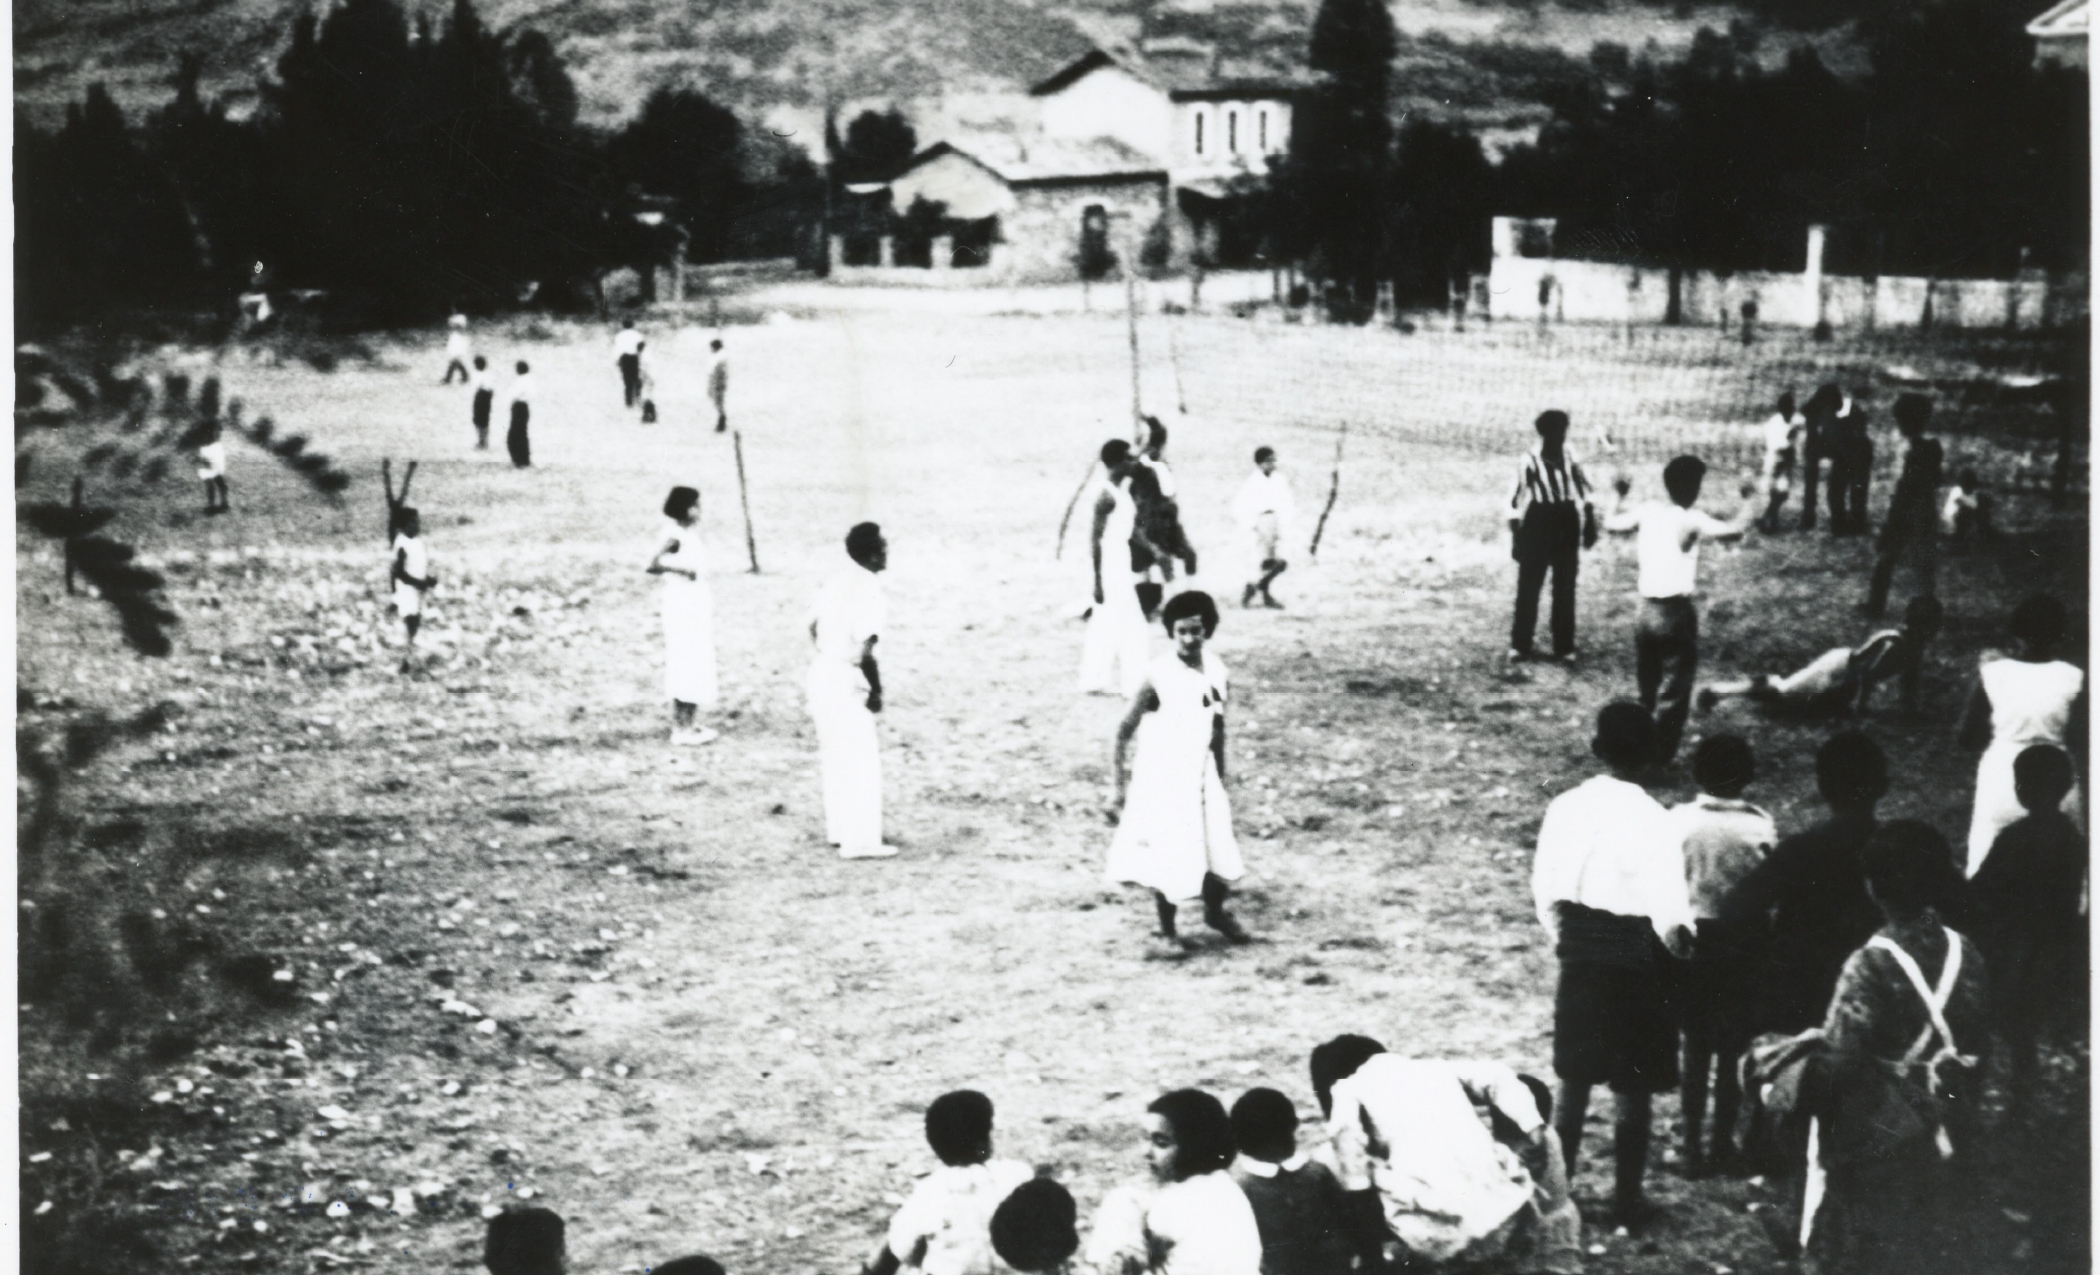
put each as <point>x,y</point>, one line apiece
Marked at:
<point>1199,131</point>
<point>1232,131</point>
<point>1261,131</point>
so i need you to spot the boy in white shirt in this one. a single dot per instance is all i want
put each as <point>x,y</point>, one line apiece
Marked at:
<point>458,347</point>
<point>945,1225</point>
<point>627,352</point>
<point>1264,510</point>
<point>1782,438</point>
<point>1666,643</point>
<point>410,572</point>
<point>845,693</point>
<point>1609,883</point>
<point>718,384</point>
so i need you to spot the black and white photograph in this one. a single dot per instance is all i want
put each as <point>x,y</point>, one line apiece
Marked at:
<point>1052,637</point>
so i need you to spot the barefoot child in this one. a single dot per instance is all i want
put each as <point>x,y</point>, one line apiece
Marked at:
<point>1841,680</point>
<point>1298,1203</point>
<point>1191,1218</point>
<point>945,1225</point>
<point>411,571</point>
<point>1174,825</point>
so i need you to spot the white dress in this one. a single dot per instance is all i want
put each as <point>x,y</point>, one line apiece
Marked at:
<point>1176,823</point>
<point>689,621</point>
<point>2030,704</point>
<point>1112,656</point>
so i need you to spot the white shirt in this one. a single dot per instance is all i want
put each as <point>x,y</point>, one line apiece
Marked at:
<point>459,345</point>
<point>1668,547</point>
<point>414,557</point>
<point>1722,841</point>
<point>1198,1226</point>
<point>1607,844</point>
<point>950,1212</point>
<point>1779,434</point>
<point>521,389</point>
<point>850,610</point>
<point>481,379</point>
<point>1408,1127</point>
<point>627,341</point>
<point>1265,494</point>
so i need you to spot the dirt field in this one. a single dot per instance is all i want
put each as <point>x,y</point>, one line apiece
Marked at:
<point>539,954</point>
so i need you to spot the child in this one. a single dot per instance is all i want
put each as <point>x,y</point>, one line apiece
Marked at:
<point>1263,509</point>
<point>1724,839</point>
<point>1967,512</point>
<point>2022,697</point>
<point>527,1241</point>
<point>1911,529</point>
<point>1159,514</point>
<point>1115,650</point>
<point>945,1226</point>
<point>1192,1218</point>
<point>1449,1186</point>
<point>627,352</point>
<point>2026,899</point>
<point>1666,645</point>
<point>690,678</point>
<point>1176,836</point>
<point>1841,680</point>
<point>211,467</point>
<point>718,384</point>
<point>1550,522</point>
<point>845,694</point>
<point>1298,1204</point>
<point>519,440</point>
<point>484,383</point>
<point>1782,448</point>
<point>1035,1230</point>
<point>411,571</point>
<point>457,347</point>
<point>1609,882</point>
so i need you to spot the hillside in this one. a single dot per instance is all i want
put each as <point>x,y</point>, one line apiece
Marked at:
<point>1483,61</point>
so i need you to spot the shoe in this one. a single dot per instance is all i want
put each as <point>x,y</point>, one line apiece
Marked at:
<point>1247,596</point>
<point>1635,1214</point>
<point>1226,924</point>
<point>1517,656</point>
<point>1271,603</point>
<point>884,851</point>
<point>1566,659</point>
<point>694,738</point>
<point>1705,700</point>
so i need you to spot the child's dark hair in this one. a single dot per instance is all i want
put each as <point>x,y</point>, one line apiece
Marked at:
<point>1907,863</point>
<point>1786,403</point>
<point>696,1264</point>
<point>1551,421</point>
<point>404,515</point>
<point>1923,614</point>
<point>1196,603</point>
<point>481,361</point>
<point>1911,410</point>
<point>1681,478</point>
<point>680,501</point>
<point>1155,432</point>
<point>1202,1130</point>
<point>1851,770</point>
<point>1336,1061</point>
<point>862,539</point>
<point>523,367</point>
<point>1264,453</point>
<point>1505,1129</point>
<point>959,1126</point>
<point>1265,1125</point>
<point>1723,763</point>
<point>1036,1227</point>
<point>1967,480</point>
<point>1625,737</point>
<point>2038,623</point>
<point>527,1241</point>
<point>2042,776</point>
<point>1114,452</point>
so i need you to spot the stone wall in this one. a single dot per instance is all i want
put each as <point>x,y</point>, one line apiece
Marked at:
<point>1039,239</point>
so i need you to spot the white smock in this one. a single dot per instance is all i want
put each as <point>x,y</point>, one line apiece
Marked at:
<point>1177,824</point>
<point>2030,704</point>
<point>690,675</point>
<point>1118,641</point>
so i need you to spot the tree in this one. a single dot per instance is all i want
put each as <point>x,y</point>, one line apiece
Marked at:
<point>1344,163</point>
<point>877,146</point>
<point>684,146</point>
<point>1443,198</point>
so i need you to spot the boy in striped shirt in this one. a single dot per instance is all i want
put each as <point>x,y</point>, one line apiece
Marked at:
<point>1550,522</point>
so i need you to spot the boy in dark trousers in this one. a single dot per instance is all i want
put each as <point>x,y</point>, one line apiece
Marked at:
<point>1550,522</point>
<point>1298,1203</point>
<point>1912,528</point>
<point>484,385</point>
<point>2025,902</point>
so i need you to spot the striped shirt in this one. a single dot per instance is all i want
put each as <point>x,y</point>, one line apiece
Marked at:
<point>1558,481</point>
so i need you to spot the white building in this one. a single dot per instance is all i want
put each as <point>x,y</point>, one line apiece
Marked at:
<point>2060,36</point>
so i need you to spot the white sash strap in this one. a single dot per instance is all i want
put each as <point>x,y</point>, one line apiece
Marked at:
<point>1935,999</point>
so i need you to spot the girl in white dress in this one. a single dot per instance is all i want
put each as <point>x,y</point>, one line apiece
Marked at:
<point>1112,658</point>
<point>2023,697</point>
<point>689,618</point>
<point>1191,1218</point>
<point>1174,826</point>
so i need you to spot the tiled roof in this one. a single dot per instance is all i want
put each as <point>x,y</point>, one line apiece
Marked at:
<point>2067,19</point>
<point>1019,160</point>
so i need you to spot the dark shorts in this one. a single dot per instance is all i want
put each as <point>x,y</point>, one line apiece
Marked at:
<point>1612,1025</point>
<point>1716,990</point>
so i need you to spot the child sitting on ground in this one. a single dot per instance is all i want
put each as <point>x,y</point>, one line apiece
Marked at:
<point>944,1227</point>
<point>1967,512</point>
<point>1298,1203</point>
<point>1035,1230</point>
<point>528,1241</point>
<point>2026,899</point>
<point>1191,1218</point>
<point>1724,838</point>
<point>1841,680</point>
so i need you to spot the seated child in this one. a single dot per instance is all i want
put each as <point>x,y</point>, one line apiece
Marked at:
<point>944,1228</point>
<point>1298,1203</point>
<point>2026,900</point>
<point>1191,1218</point>
<point>1035,1230</point>
<point>1967,512</point>
<point>1842,679</point>
<point>1724,838</point>
<point>1452,1188</point>
<point>528,1241</point>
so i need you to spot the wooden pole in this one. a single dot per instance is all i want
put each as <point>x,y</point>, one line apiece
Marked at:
<point>743,492</point>
<point>1072,504</point>
<point>79,512</point>
<point>1137,408</point>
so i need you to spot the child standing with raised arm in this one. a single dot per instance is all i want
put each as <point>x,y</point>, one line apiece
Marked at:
<point>945,1226</point>
<point>410,571</point>
<point>1666,643</point>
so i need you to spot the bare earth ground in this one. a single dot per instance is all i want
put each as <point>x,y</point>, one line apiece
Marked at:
<point>705,1032</point>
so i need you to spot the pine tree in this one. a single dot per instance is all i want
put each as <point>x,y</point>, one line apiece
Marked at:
<point>1344,165</point>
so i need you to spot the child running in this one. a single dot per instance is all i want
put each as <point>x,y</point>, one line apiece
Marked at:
<point>1191,1218</point>
<point>410,572</point>
<point>1298,1203</point>
<point>945,1225</point>
<point>1841,680</point>
<point>1174,825</point>
<point>1264,510</point>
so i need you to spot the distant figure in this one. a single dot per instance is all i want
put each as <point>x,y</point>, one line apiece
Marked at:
<point>1782,439</point>
<point>1264,510</point>
<point>690,679</point>
<point>519,439</point>
<point>627,352</point>
<point>1159,513</point>
<point>1851,452</point>
<point>211,467</point>
<point>1966,515</point>
<point>458,348</point>
<point>484,383</point>
<point>718,383</point>
<point>528,1241</point>
<point>1551,521</point>
<point>845,693</point>
<point>410,571</point>
<point>1749,320</point>
<point>255,299</point>
<point>1912,527</point>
